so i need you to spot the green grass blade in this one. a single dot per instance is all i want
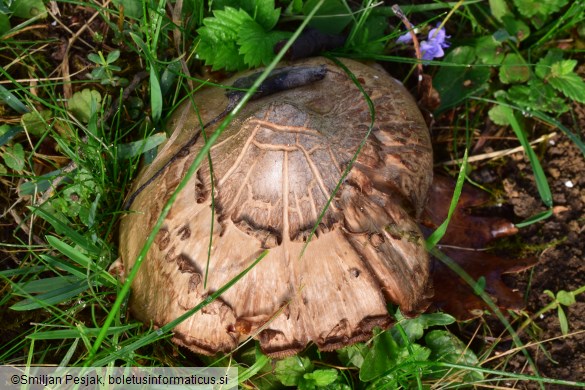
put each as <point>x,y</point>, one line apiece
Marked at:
<point>8,97</point>
<point>81,259</point>
<point>436,236</point>
<point>156,100</point>
<point>51,298</point>
<point>41,286</point>
<point>10,133</point>
<point>75,333</point>
<point>62,228</point>
<point>539,176</point>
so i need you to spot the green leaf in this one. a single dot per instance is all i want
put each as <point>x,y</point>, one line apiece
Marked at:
<point>445,347</point>
<point>563,79</point>
<point>332,17</point>
<point>566,298</point>
<point>35,122</point>
<point>217,45</point>
<point>4,24</point>
<point>319,378</point>
<point>530,8</point>
<point>257,45</point>
<point>456,83</point>
<point>498,116</point>
<point>516,28</point>
<point>290,370</point>
<point>353,355</point>
<point>488,50</point>
<point>81,103</point>
<point>563,322</point>
<point>156,100</point>
<point>263,12</point>
<point>27,9</point>
<point>14,157</point>
<point>95,58</point>
<point>113,56</point>
<point>132,8</point>
<point>544,65</point>
<point>382,357</point>
<point>499,8</point>
<point>514,69</point>
<point>415,327</point>
<point>133,149</point>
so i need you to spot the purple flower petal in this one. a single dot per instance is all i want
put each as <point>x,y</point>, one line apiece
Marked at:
<point>404,39</point>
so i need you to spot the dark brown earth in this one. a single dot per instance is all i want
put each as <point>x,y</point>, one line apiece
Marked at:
<point>561,262</point>
<point>559,244</point>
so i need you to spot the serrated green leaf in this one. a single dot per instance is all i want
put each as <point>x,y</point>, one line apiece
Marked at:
<point>566,81</point>
<point>263,12</point>
<point>14,157</point>
<point>290,370</point>
<point>446,347</point>
<point>217,45</point>
<point>543,67</point>
<point>256,44</point>
<point>514,69</point>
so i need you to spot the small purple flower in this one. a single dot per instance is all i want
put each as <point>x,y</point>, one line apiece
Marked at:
<point>404,39</point>
<point>433,46</point>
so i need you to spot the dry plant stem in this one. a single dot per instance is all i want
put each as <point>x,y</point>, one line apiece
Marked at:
<point>176,15</point>
<point>499,153</point>
<point>398,12</point>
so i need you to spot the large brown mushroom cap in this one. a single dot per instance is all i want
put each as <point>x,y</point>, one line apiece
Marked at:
<point>274,169</point>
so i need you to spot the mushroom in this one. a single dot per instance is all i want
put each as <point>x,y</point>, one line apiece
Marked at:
<point>291,175</point>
